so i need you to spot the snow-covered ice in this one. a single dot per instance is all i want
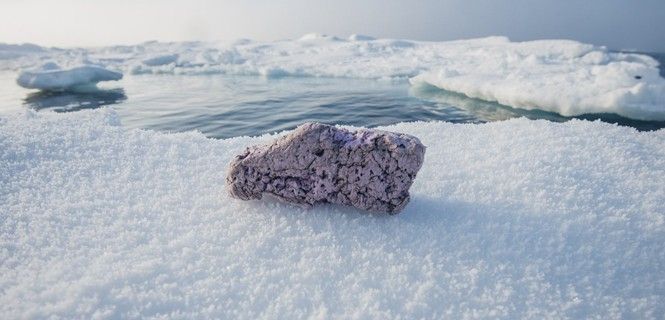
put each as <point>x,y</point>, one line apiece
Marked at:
<point>562,76</point>
<point>583,81</point>
<point>512,219</point>
<point>51,77</point>
<point>360,37</point>
<point>161,60</point>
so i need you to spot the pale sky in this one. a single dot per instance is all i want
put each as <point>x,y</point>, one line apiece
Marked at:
<point>618,24</point>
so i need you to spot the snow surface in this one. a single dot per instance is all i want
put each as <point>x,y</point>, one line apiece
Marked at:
<point>51,77</point>
<point>562,76</point>
<point>512,219</point>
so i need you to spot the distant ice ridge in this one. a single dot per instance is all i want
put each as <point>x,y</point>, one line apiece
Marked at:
<point>51,77</point>
<point>12,51</point>
<point>562,76</point>
<point>514,219</point>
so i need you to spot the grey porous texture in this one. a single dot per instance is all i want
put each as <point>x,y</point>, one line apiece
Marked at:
<point>316,163</point>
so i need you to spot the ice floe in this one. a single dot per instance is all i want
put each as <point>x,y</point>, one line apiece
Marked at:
<point>50,77</point>
<point>562,76</point>
<point>161,60</point>
<point>512,219</point>
<point>542,75</point>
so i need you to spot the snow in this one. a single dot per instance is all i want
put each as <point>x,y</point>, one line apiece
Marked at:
<point>512,219</point>
<point>51,77</point>
<point>562,76</point>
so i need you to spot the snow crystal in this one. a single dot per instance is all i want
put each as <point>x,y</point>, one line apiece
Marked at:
<point>562,76</point>
<point>512,219</point>
<point>52,78</point>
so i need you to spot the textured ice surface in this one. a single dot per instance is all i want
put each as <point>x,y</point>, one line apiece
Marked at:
<point>51,77</point>
<point>317,163</point>
<point>566,77</point>
<point>513,219</point>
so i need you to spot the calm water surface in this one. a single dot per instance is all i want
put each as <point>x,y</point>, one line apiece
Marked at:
<point>223,106</point>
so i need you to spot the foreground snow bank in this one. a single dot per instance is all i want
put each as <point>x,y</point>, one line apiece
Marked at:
<point>566,77</point>
<point>514,219</point>
<point>51,77</point>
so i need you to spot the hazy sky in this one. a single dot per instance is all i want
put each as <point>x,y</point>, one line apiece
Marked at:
<point>619,24</point>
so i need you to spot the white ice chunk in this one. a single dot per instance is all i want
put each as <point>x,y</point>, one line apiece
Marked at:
<point>51,78</point>
<point>592,83</point>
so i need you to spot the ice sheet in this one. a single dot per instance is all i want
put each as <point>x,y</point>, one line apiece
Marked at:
<point>512,219</point>
<point>50,77</point>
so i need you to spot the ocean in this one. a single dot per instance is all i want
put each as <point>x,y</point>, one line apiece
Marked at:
<point>222,106</point>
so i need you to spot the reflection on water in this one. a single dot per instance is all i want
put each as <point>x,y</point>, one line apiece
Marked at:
<point>492,111</point>
<point>224,106</point>
<point>74,101</point>
<point>483,110</point>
